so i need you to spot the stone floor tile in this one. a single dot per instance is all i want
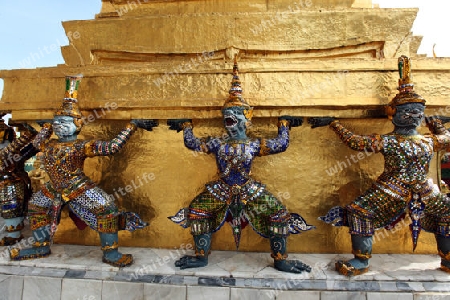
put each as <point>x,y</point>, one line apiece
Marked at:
<point>333,295</point>
<point>296,295</point>
<point>432,296</point>
<point>112,290</point>
<point>242,263</point>
<point>41,288</point>
<point>436,287</point>
<point>207,293</point>
<point>81,289</point>
<point>390,296</point>
<point>251,294</point>
<point>164,292</point>
<point>11,287</point>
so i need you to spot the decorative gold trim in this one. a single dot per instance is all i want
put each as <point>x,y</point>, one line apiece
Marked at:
<point>125,260</point>
<point>39,220</point>
<point>445,269</point>
<point>186,125</point>
<point>444,256</point>
<point>88,149</point>
<point>43,244</point>
<point>11,228</point>
<point>248,113</point>
<point>360,255</point>
<point>202,253</point>
<point>284,123</point>
<point>14,252</point>
<point>132,126</point>
<point>114,246</point>
<point>279,256</point>
<point>346,269</point>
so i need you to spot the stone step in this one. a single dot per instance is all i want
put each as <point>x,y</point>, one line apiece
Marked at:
<point>76,272</point>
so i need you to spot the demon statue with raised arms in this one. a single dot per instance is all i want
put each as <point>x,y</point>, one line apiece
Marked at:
<point>236,197</point>
<point>63,160</point>
<point>404,186</point>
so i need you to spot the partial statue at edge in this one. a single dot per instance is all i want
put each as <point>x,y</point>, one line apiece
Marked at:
<point>236,197</point>
<point>404,184</point>
<point>63,160</point>
<point>15,185</point>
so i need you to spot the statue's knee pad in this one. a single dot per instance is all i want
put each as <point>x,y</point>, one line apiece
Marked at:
<point>39,220</point>
<point>108,224</point>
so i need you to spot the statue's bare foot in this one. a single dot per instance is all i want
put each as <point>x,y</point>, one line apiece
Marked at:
<point>188,261</point>
<point>291,266</point>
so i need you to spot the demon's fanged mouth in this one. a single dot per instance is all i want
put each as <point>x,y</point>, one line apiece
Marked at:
<point>230,121</point>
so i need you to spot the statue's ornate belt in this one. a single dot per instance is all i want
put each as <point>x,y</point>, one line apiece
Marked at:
<point>245,192</point>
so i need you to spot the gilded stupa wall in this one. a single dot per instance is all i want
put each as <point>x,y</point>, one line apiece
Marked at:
<point>173,59</point>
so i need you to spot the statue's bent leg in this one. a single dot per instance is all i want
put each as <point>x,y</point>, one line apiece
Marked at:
<point>269,218</point>
<point>202,249</point>
<point>362,250</point>
<point>443,245</point>
<point>97,209</point>
<point>111,254</point>
<point>12,199</point>
<point>40,225</point>
<point>38,214</point>
<point>361,230</point>
<point>436,219</point>
<point>205,215</point>
<point>279,254</point>
<point>14,228</point>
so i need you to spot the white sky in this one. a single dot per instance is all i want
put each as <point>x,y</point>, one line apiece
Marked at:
<point>432,22</point>
<point>28,26</point>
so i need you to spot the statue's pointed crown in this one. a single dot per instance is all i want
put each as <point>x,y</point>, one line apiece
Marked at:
<point>235,98</point>
<point>406,92</point>
<point>69,105</point>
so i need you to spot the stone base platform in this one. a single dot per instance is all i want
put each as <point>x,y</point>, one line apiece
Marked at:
<point>76,272</point>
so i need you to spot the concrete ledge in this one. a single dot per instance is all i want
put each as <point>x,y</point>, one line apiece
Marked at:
<point>76,272</point>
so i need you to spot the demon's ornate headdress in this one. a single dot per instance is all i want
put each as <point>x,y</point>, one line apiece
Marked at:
<point>69,105</point>
<point>406,92</point>
<point>235,98</point>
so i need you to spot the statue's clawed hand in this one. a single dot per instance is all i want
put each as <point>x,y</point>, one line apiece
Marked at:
<point>177,124</point>
<point>146,124</point>
<point>320,121</point>
<point>293,121</point>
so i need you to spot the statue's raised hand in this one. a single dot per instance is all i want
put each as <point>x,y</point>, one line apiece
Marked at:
<point>320,121</point>
<point>443,119</point>
<point>146,124</point>
<point>177,124</point>
<point>293,121</point>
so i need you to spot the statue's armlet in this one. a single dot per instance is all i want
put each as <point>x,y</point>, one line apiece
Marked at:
<point>43,135</point>
<point>370,143</point>
<point>104,148</point>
